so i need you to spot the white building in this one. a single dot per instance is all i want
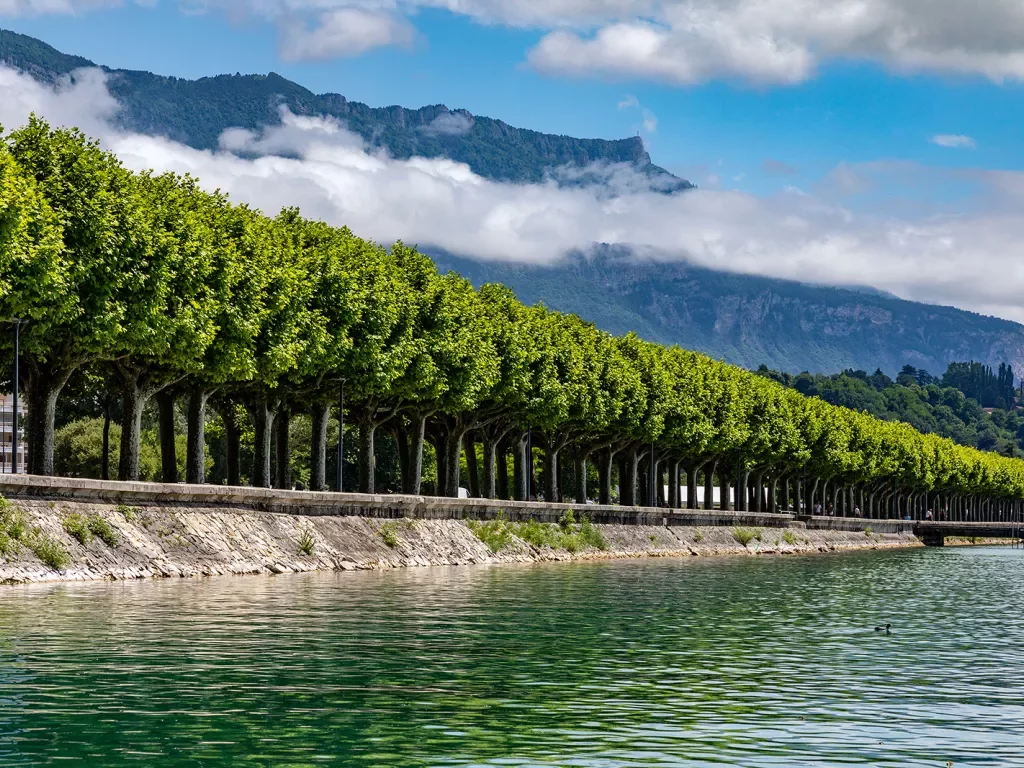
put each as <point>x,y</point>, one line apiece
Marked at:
<point>6,441</point>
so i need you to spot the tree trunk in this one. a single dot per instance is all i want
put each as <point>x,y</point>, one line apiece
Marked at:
<point>195,440</point>
<point>607,460</point>
<point>134,400</point>
<point>262,412</point>
<point>726,499</point>
<point>416,432</point>
<point>741,489</point>
<point>232,444</point>
<point>691,486</point>
<point>284,454</point>
<point>709,485</point>
<point>489,486</point>
<point>320,416</point>
<point>673,484</point>
<point>440,452</point>
<point>453,452</point>
<point>759,492</point>
<point>105,455</point>
<point>401,435</point>
<point>627,478</point>
<point>521,491</point>
<point>502,470</point>
<point>551,475</point>
<point>469,443</point>
<point>643,482</point>
<point>580,468</point>
<point>367,458</point>
<point>43,387</point>
<point>168,452</point>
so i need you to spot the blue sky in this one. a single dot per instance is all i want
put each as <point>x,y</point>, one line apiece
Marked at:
<point>727,130</point>
<point>868,142</point>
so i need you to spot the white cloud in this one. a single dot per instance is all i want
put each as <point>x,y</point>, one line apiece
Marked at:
<point>953,140</point>
<point>331,175</point>
<point>342,33</point>
<point>649,119</point>
<point>54,7</point>
<point>450,124</point>
<point>761,42</point>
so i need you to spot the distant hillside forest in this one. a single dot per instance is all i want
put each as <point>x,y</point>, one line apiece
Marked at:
<point>970,403</point>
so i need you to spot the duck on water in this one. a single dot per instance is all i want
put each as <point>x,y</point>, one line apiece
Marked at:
<point>884,629</point>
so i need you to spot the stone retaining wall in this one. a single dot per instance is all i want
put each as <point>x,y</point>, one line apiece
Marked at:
<point>205,530</point>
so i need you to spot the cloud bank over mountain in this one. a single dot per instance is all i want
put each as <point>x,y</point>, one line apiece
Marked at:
<point>966,260</point>
<point>761,42</point>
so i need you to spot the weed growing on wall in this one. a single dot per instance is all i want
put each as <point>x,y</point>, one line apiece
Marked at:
<point>306,542</point>
<point>77,527</point>
<point>746,535</point>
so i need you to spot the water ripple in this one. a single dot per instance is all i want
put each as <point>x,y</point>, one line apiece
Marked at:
<point>746,662</point>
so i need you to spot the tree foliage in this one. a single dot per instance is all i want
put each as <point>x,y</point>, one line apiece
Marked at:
<point>174,286</point>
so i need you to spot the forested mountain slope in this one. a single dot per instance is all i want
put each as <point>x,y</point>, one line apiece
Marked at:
<point>751,320</point>
<point>931,404</point>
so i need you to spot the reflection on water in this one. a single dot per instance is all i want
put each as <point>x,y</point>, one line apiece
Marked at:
<point>750,662</point>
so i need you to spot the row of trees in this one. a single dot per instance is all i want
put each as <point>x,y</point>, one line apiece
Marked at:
<point>183,294</point>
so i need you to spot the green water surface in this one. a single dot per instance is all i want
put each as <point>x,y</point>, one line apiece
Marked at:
<point>767,661</point>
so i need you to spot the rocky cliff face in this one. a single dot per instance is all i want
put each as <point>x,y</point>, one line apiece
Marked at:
<point>750,320</point>
<point>196,112</point>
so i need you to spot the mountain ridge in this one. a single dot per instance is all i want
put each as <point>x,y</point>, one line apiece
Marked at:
<point>743,319</point>
<point>196,112</point>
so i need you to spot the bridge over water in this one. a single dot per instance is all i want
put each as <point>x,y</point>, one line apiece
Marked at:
<point>934,532</point>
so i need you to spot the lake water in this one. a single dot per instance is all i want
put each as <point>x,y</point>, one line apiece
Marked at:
<point>743,661</point>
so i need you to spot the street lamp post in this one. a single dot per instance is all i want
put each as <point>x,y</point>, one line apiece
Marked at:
<point>341,433</point>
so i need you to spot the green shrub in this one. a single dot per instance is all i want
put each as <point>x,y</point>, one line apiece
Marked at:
<point>306,542</point>
<point>77,527</point>
<point>12,521</point>
<point>496,534</point>
<point>867,531</point>
<point>50,551</point>
<point>128,513</point>
<point>388,532</point>
<point>590,535</point>
<point>789,537</point>
<point>698,536</point>
<point>78,450</point>
<point>745,535</point>
<point>103,530</point>
<point>567,534</point>
<point>535,534</point>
